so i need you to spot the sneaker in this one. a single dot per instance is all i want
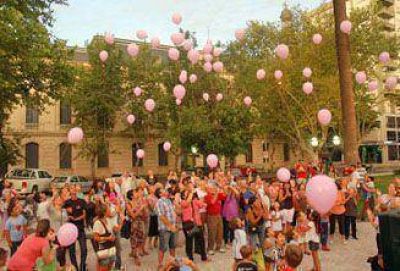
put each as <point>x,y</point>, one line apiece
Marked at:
<point>211,252</point>
<point>222,250</point>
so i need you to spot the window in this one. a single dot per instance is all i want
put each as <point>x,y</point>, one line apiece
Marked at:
<point>249,153</point>
<point>286,152</point>
<point>44,174</point>
<point>32,155</point>
<point>391,136</point>
<point>162,156</point>
<point>32,115</point>
<point>391,122</point>
<point>102,156</point>
<point>135,161</point>
<point>65,113</point>
<point>65,155</point>
<point>393,153</point>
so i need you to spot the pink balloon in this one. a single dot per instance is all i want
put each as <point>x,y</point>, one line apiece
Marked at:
<point>67,234</point>
<point>137,91</point>
<point>109,38</point>
<point>208,58</point>
<point>239,34</point>
<point>212,160</point>
<point>217,51</point>
<point>103,56</point>
<point>132,49</point>
<point>183,77</point>
<point>207,49</point>
<point>193,55</point>
<point>149,104</point>
<point>155,42</point>
<point>207,67</point>
<point>282,51</point>
<point>173,54</point>
<point>278,74</point>
<point>260,74</point>
<point>307,72</point>
<point>193,78</point>
<point>361,77</point>
<point>178,101</point>
<point>206,97</point>
<point>384,57</point>
<point>247,100</point>
<point>176,18</point>
<point>178,38</point>
<point>130,119</point>
<point>317,38</point>
<point>219,97</point>
<point>373,85</point>
<point>283,174</point>
<point>324,116</point>
<point>141,34</point>
<point>179,92</point>
<point>345,26</point>
<point>140,153</point>
<point>167,146</point>
<point>188,45</point>
<point>321,193</point>
<point>218,66</point>
<point>391,82</point>
<point>75,135</point>
<point>308,88</point>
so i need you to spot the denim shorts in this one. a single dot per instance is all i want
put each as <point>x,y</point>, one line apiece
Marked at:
<point>167,240</point>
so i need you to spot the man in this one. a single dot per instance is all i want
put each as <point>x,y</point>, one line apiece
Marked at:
<point>151,179</point>
<point>76,210</point>
<point>166,225</point>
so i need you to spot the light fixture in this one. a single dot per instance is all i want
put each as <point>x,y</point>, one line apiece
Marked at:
<point>336,140</point>
<point>314,142</point>
<point>194,149</point>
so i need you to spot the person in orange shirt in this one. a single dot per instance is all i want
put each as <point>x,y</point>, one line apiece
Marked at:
<point>337,212</point>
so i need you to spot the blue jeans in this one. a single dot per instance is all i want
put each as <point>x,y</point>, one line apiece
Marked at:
<point>257,237</point>
<point>324,232</point>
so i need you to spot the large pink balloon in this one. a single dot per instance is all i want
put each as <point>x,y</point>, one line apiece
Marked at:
<point>176,18</point>
<point>324,116</point>
<point>179,92</point>
<point>278,74</point>
<point>207,67</point>
<point>193,78</point>
<point>373,85</point>
<point>132,49</point>
<point>103,56</point>
<point>218,66</point>
<point>391,82</point>
<point>75,135</point>
<point>361,77</point>
<point>208,58</point>
<point>137,91</point>
<point>206,97</point>
<point>130,119</point>
<point>317,38</point>
<point>307,72</point>
<point>207,49</point>
<point>167,146</point>
<point>345,26</point>
<point>217,51</point>
<point>67,234</point>
<point>282,51</point>
<point>247,100</point>
<point>173,54</point>
<point>308,88</point>
<point>178,38</point>
<point>384,57</point>
<point>140,153</point>
<point>260,74</point>
<point>219,97</point>
<point>283,174</point>
<point>183,77</point>
<point>212,160</point>
<point>188,45</point>
<point>193,55</point>
<point>155,42</point>
<point>239,34</point>
<point>109,38</point>
<point>321,193</point>
<point>141,34</point>
<point>149,104</point>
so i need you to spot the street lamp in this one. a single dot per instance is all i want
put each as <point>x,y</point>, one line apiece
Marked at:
<point>314,142</point>
<point>194,149</point>
<point>336,140</point>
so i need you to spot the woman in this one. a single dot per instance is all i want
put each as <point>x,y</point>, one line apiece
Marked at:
<point>34,247</point>
<point>230,210</point>
<point>136,209</point>
<point>153,223</point>
<point>337,213</point>
<point>255,216</point>
<point>286,201</point>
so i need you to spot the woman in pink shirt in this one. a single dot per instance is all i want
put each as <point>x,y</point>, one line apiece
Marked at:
<point>34,247</point>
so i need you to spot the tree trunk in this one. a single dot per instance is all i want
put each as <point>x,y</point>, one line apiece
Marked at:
<point>93,166</point>
<point>346,85</point>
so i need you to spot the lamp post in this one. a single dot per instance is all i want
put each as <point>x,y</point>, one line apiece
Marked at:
<point>336,140</point>
<point>314,142</point>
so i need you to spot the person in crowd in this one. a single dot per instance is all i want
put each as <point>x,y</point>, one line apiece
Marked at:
<point>16,226</point>
<point>324,231</point>
<point>3,259</point>
<point>368,190</point>
<point>337,214</point>
<point>240,238</point>
<point>276,218</point>
<point>287,209</point>
<point>230,210</point>
<point>76,210</point>
<point>153,221</point>
<point>43,205</point>
<point>256,216</point>
<point>116,217</point>
<point>313,239</point>
<point>293,257</point>
<point>179,263</point>
<point>247,263</point>
<point>151,179</point>
<point>351,214</point>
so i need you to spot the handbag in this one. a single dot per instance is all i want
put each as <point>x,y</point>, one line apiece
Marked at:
<point>190,227</point>
<point>107,249</point>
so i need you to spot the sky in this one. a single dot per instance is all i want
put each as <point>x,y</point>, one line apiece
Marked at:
<point>216,19</point>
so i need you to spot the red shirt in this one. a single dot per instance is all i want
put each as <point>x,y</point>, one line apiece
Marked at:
<point>287,268</point>
<point>214,208</point>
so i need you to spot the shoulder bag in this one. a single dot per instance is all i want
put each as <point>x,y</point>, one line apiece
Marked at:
<point>107,249</point>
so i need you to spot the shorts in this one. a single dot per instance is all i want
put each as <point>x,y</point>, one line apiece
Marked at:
<point>287,215</point>
<point>313,246</point>
<point>167,240</point>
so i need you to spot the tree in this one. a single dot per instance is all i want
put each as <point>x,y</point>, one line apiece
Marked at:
<point>33,63</point>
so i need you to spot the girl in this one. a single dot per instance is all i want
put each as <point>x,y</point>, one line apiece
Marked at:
<point>302,228</point>
<point>313,240</point>
<point>239,240</point>
<point>286,200</point>
<point>276,218</point>
<point>16,226</point>
<point>337,213</point>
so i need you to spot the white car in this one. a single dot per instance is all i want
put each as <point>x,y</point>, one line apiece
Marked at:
<point>29,180</point>
<point>60,182</point>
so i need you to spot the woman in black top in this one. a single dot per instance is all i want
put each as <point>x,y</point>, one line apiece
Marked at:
<point>286,201</point>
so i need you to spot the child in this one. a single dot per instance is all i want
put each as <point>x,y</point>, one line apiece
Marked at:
<point>302,228</point>
<point>269,253</point>
<point>42,209</point>
<point>324,231</point>
<point>293,257</point>
<point>313,240</point>
<point>247,263</point>
<point>240,239</point>
<point>16,226</point>
<point>350,214</point>
<point>276,217</point>
<point>3,259</point>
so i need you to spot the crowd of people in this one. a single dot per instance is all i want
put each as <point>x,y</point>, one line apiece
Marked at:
<point>266,224</point>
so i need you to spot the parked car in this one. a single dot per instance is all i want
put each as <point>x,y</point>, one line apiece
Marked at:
<point>60,182</point>
<point>29,180</point>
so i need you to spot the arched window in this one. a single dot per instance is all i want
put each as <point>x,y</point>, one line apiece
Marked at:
<point>65,155</point>
<point>162,156</point>
<point>249,153</point>
<point>32,155</point>
<point>135,161</point>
